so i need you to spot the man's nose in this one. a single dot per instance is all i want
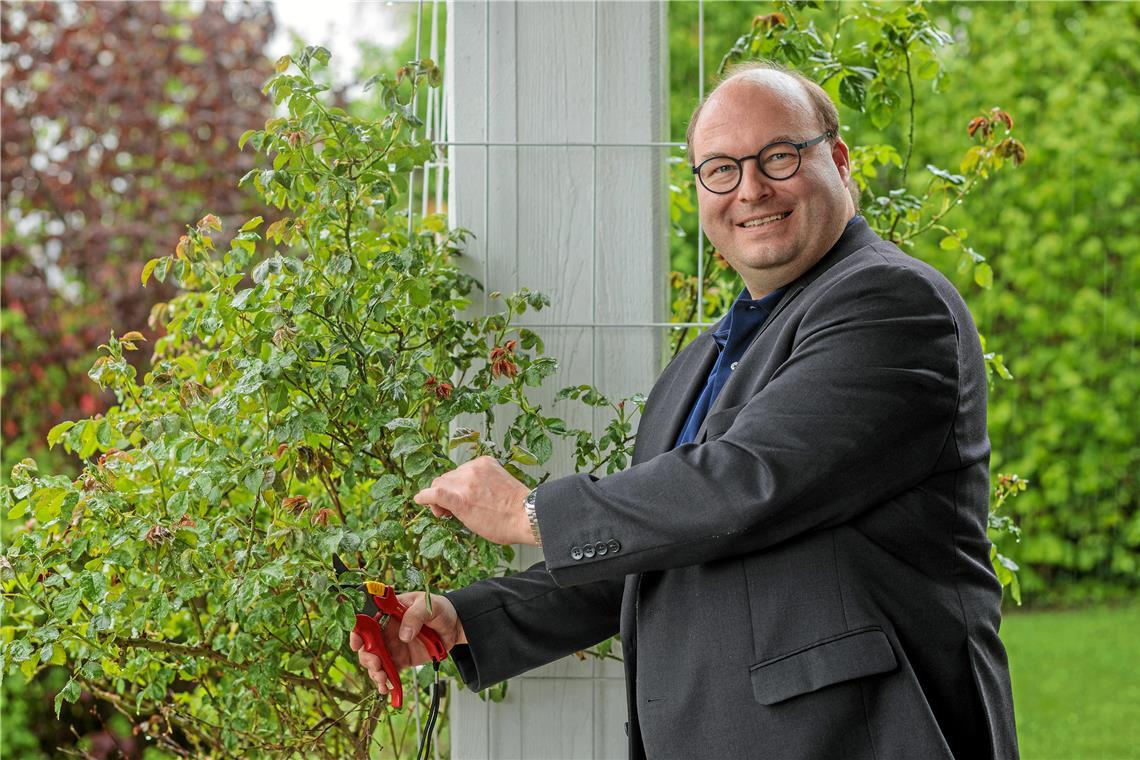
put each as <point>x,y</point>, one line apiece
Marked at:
<point>754,184</point>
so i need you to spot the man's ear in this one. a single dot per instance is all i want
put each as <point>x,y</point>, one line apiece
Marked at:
<point>842,159</point>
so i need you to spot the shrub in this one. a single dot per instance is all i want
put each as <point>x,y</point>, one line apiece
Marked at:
<point>308,384</point>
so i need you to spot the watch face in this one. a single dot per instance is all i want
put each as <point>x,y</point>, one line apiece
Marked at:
<point>530,497</point>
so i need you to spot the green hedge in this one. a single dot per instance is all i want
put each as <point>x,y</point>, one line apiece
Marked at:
<point>1064,235</point>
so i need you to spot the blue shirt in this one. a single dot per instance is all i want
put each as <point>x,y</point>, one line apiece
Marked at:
<point>732,337</point>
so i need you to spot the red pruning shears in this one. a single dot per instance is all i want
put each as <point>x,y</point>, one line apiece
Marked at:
<point>380,603</point>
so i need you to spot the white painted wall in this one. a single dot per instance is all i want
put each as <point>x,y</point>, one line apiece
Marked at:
<point>551,104</point>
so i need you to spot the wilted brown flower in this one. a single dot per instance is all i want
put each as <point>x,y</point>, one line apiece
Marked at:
<point>443,391</point>
<point>1003,117</point>
<point>502,360</point>
<point>157,535</point>
<point>770,21</point>
<point>1013,150</point>
<point>186,522</point>
<point>295,504</point>
<point>321,516</point>
<point>979,123</point>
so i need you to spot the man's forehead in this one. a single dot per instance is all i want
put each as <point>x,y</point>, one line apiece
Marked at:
<point>749,103</point>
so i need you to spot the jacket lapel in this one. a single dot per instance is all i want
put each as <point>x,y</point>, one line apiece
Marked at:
<point>674,397</point>
<point>858,235</point>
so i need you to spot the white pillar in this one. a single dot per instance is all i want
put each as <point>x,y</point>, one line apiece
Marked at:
<point>554,106</point>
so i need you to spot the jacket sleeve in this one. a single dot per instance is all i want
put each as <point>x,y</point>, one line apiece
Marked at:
<point>519,622</point>
<point>858,412</point>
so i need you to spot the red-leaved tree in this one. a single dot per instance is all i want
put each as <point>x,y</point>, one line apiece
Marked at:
<point>120,121</point>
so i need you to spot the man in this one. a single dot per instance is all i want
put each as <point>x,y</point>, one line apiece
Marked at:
<point>797,557</point>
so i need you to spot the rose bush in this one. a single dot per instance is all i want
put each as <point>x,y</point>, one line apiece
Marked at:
<point>310,380</point>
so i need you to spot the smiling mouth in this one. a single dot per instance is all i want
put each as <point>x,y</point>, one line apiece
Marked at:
<point>765,220</point>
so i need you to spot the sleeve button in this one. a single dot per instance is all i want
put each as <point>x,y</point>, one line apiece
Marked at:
<point>601,548</point>
<point>614,545</point>
<point>576,553</point>
<point>588,550</point>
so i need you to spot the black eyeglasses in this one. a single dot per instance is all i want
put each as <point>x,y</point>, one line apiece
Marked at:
<point>778,161</point>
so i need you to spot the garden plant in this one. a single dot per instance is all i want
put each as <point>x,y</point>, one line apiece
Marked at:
<point>309,380</point>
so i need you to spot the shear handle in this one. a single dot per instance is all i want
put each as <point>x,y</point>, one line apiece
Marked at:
<point>384,597</point>
<point>369,630</point>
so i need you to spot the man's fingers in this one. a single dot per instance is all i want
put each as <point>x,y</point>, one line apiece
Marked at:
<point>415,617</point>
<point>430,495</point>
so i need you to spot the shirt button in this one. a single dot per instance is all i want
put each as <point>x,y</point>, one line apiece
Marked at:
<point>733,365</point>
<point>576,553</point>
<point>588,550</point>
<point>614,545</point>
<point>601,548</point>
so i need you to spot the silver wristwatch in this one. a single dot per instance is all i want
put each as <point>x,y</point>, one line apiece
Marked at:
<point>531,516</point>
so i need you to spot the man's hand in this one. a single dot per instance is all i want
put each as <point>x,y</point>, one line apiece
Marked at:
<point>405,648</point>
<point>485,497</point>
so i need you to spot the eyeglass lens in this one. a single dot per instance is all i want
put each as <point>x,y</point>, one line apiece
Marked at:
<point>777,161</point>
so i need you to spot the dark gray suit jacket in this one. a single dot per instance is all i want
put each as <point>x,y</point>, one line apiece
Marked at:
<point>811,577</point>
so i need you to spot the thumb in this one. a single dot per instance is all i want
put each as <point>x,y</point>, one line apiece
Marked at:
<point>416,615</point>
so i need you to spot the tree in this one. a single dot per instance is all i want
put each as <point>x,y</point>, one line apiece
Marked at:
<point>119,122</point>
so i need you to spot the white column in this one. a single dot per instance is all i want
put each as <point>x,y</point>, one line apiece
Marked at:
<point>552,104</point>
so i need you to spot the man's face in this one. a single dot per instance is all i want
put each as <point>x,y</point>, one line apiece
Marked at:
<point>771,231</point>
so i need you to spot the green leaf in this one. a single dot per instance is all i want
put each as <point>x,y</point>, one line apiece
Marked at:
<point>434,541</point>
<point>148,268</point>
<point>984,276</point>
<point>390,530</point>
<point>949,243</point>
<point>64,604</point>
<point>520,455</point>
<point>57,431</point>
<point>346,616</point>
<point>161,268</point>
<point>408,443</point>
<point>69,693</point>
<point>953,179</point>
<point>419,293</point>
<point>462,436</point>
<point>252,224</point>
<point>20,650</point>
<point>853,91</point>
<point>418,461</point>
<point>48,503</point>
<point>542,447</point>
<point>384,486</point>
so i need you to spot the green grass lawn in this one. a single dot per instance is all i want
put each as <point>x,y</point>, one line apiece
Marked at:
<point>1076,682</point>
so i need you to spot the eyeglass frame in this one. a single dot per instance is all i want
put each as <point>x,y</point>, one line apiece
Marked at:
<point>756,157</point>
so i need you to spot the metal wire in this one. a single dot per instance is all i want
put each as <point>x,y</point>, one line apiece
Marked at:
<point>700,98</point>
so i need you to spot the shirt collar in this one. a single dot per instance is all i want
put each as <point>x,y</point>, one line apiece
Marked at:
<point>744,303</point>
<point>765,303</point>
